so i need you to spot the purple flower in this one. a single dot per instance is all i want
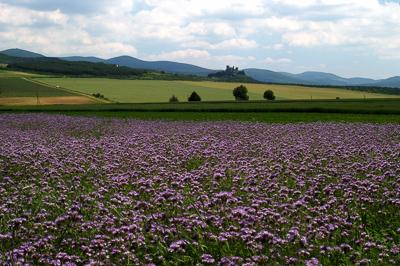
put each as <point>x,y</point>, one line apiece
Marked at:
<point>207,259</point>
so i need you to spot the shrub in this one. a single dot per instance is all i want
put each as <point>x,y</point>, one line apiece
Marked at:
<point>269,95</point>
<point>99,96</point>
<point>240,93</point>
<point>173,99</point>
<point>194,97</point>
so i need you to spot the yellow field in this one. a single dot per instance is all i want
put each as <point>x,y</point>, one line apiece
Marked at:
<point>142,91</point>
<point>292,91</point>
<point>14,74</point>
<point>47,100</point>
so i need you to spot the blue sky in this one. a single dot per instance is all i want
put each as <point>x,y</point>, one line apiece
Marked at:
<point>345,37</point>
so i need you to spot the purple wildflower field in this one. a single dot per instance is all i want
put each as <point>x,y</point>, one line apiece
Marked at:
<point>94,191</point>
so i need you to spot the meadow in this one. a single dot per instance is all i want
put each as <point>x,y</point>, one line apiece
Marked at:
<point>100,191</point>
<point>144,91</point>
<point>20,90</point>
<point>21,87</point>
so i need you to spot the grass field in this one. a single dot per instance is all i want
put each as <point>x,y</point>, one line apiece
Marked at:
<point>24,91</point>
<point>64,100</point>
<point>374,111</point>
<point>142,91</point>
<point>21,87</point>
<point>131,91</point>
<point>12,74</point>
<point>245,116</point>
<point>371,106</point>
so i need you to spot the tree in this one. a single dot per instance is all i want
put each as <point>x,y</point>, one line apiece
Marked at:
<point>194,97</point>
<point>269,95</point>
<point>173,99</point>
<point>240,93</point>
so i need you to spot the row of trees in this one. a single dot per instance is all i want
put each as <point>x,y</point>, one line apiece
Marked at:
<point>240,94</point>
<point>194,97</point>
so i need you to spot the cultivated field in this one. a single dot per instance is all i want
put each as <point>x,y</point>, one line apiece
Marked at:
<point>136,91</point>
<point>21,87</point>
<point>23,91</point>
<point>33,101</point>
<point>79,191</point>
<point>14,74</point>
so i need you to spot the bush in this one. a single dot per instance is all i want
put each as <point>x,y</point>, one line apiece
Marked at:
<point>269,95</point>
<point>240,93</point>
<point>194,97</point>
<point>99,96</point>
<point>173,99</point>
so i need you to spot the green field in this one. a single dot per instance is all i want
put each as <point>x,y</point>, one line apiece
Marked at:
<point>144,91</point>
<point>248,117</point>
<point>12,74</point>
<point>22,87</point>
<point>368,106</point>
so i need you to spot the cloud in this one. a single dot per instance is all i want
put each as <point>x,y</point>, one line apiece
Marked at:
<point>203,58</point>
<point>270,60</point>
<point>17,17</point>
<point>65,6</point>
<point>228,29</point>
<point>181,54</point>
<point>236,43</point>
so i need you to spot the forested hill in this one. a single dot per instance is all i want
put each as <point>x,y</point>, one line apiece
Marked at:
<point>57,66</point>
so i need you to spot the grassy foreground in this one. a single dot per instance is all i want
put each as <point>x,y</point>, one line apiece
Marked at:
<point>247,117</point>
<point>375,106</point>
<point>375,111</point>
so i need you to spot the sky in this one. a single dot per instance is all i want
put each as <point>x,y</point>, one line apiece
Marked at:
<point>346,37</point>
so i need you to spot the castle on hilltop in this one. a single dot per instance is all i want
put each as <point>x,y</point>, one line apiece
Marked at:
<point>228,72</point>
<point>232,70</point>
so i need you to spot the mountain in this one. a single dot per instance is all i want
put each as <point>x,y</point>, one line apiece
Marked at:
<point>132,62</point>
<point>262,75</point>
<point>360,81</point>
<point>21,53</point>
<point>393,82</point>
<point>318,78</point>
<point>167,66</point>
<point>269,76</point>
<point>90,59</point>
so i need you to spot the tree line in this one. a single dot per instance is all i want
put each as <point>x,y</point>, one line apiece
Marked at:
<point>240,93</point>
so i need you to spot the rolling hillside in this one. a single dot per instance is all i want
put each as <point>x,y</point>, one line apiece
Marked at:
<point>262,75</point>
<point>21,53</point>
<point>137,91</point>
<point>23,91</point>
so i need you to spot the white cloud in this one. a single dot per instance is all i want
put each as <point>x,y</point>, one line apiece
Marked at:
<point>14,16</point>
<point>180,54</point>
<point>270,60</point>
<point>207,31</point>
<point>203,58</point>
<point>236,43</point>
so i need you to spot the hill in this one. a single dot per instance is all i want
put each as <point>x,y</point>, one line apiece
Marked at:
<point>21,53</point>
<point>318,78</point>
<point>393,82</point>
<point>60,67</point>
<point>167,66</point>
<point>260,75</point>
<point>269,76</point>
<point>132,62</point>
<point>90,59</point>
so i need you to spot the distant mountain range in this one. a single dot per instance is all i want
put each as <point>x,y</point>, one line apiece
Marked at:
<point>263,75</point>
<point>318,78</point>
